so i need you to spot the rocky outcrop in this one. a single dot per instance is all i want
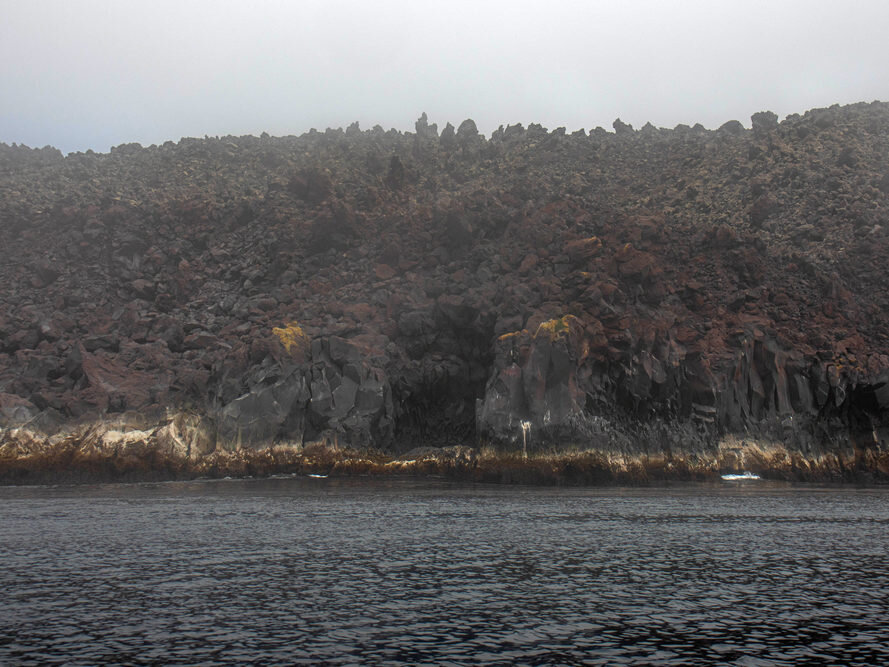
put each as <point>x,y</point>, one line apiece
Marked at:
<point>536,383</point>
<point>642,291</point>
<point>335,395</point>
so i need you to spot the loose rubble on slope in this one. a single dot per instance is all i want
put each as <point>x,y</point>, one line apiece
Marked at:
<point>677,295</point>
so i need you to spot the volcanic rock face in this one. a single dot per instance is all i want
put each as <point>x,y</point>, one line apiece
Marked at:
<point>386,289</point>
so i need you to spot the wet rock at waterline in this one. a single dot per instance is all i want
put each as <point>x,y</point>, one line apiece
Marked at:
<point>639,292</point>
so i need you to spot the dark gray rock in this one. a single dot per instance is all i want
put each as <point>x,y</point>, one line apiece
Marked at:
<point>416,323</point>
<point>348,395</point>
<point>764,122</point>
<point>448,138</point>
<point>424,129</point>
<point>731,128</point>
<point>467,132</point>
<point>342,351</point>
<point>621,128</point>
<point>538,386</point>
<point>15,410</point>
<point>266,414</point>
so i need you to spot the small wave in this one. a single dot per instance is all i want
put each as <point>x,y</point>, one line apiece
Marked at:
<point>740,476</point>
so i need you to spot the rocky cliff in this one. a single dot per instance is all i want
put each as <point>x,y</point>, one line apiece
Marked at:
<point>648,290</point>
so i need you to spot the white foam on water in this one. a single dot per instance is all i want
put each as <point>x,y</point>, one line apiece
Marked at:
<point>736,476</point>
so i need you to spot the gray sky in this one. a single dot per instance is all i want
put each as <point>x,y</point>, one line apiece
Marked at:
<point>81,74</point>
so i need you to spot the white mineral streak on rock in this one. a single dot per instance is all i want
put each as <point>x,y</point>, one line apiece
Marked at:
<point>526,429</point>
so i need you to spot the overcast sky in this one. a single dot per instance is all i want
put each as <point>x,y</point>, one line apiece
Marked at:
<point>80,74</point>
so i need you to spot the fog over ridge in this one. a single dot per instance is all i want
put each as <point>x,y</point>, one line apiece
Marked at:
<point>93,74</point>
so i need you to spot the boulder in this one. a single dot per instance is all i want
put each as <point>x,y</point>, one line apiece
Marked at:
<point>582,250</point>
<point>424,130</point>
<point>448,138</point>
<point>764,122</point>
<point>731,128</point>
<point>348,395</point>
<point>312,185</point>
<point>467,133</point>
<point>621,128</point>
<point>16,411</point>
<point>535,381</point>
<point>266,414</point>
<point>135,378</point>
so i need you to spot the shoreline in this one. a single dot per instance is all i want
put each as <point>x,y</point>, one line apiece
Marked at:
<point>94,456</point>
<point>641,296</point>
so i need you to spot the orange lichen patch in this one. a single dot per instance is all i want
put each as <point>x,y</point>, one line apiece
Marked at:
<point>625,253</point>
<point>507,336</point>
<point>292,337</point>
<point>556,327</point>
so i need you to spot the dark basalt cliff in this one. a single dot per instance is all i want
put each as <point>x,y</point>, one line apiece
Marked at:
<point>652,292</point>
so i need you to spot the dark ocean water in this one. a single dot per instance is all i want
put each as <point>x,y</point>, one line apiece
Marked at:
<point>309,571</point>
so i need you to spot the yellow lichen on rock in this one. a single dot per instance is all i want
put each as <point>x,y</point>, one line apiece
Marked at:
<point>292,337</point>
<point>557,326</point>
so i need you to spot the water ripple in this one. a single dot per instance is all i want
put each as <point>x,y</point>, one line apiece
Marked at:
<point>291,572</point>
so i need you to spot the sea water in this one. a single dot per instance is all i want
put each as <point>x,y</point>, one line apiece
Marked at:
<point>358,571</point>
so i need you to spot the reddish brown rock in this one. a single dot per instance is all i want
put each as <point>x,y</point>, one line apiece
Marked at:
<point>384,272</point>
<point>582,250</point>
